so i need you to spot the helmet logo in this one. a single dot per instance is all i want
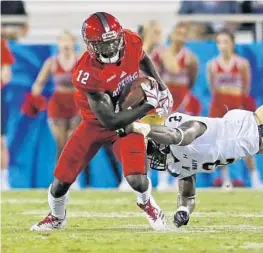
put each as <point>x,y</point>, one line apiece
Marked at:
<point>109,35</point>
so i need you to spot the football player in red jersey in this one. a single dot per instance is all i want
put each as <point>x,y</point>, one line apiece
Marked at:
<point>113,59</point>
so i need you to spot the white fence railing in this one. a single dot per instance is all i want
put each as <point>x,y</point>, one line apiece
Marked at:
<point>42,20</point>
<point>235,18</point>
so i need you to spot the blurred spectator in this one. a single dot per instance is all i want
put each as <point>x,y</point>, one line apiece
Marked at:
<point>210,7</point>
<point>151,34</point>
<point>7,60</point>
<point>251,7</point>
<point>229,77</point>
<point>257,6</point>
<point>178,68</point>
<point>13,30</point>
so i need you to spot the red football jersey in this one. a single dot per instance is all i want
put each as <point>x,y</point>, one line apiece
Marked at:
<point>91,76</point>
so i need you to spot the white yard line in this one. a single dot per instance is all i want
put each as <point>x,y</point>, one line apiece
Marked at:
<point>86,214</point>
<point>71,201</point>
<point>115,190</point>
<point>252,245</point>
<point>145,228</point>
<point>195,229</point>
<point>219,190</point>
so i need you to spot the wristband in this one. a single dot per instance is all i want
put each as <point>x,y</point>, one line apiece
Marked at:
<point>183,208</point>
<point>182,136</point>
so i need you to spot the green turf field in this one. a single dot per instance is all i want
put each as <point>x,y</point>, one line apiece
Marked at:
<point>109,221</point>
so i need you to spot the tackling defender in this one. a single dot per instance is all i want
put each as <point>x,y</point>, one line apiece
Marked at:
<point>112,60</point>
<point>200,144</point>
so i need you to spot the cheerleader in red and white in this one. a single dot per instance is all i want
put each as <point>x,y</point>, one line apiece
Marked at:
<point>63,114</point>
<point>229,77</point>
<point>178,67</point>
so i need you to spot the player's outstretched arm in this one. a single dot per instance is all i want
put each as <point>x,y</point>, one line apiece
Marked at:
<point>185,200</point>
<point>42,77</point>
<point>182,136</point>
<point>147,66</point>
<point>101,104</point>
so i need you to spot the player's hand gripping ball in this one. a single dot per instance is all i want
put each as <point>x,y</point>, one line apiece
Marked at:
<point>138,92</point>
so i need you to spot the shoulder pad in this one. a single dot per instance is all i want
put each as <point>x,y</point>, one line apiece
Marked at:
<point>134,37</point>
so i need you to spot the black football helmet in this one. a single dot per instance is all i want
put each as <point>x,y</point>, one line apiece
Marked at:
<point>157,155</point>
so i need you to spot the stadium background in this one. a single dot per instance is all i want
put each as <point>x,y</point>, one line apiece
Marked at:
<point>31,144</point>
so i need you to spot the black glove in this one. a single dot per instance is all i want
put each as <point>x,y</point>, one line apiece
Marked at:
<point>181,216</point>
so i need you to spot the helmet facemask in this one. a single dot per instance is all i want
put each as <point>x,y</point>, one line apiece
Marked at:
<point>106,50</point>
<point>157,155</point>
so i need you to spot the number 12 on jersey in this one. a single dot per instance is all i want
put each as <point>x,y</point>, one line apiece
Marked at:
<point>83,77</point>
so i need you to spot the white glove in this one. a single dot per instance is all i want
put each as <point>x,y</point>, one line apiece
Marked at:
<point>153,81</point>
<point>151,93</point>
<point>166,101</point>
<point>160,111</point>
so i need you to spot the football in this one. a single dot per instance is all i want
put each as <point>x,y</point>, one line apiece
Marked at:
<point>132,94</point>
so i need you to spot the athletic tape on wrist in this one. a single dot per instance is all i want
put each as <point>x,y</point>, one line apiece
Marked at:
<point>182,136</point>
<point>141,128</point>
<point>183,208</point>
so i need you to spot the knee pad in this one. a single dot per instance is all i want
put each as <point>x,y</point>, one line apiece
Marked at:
<point>59,189</point>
